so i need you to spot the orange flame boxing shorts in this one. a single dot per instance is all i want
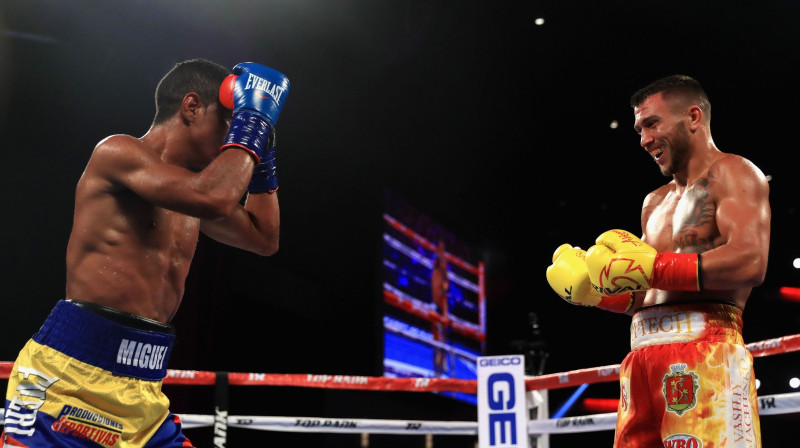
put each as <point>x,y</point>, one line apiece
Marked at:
<point>688,381</point>
<point>91,377</point>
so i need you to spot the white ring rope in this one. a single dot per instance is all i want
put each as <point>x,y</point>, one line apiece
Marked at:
<point>769,405</point>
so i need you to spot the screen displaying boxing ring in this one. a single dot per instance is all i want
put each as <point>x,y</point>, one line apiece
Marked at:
<point>433,290</point>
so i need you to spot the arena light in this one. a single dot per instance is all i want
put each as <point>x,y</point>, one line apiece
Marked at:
<point>794,383</point>
<point>790,293</point>
<point>600,405</point>
<point>570,401</point>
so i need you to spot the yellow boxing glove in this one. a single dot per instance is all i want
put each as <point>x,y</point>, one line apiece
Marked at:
<point>621,262</point>
<point>569,278</point>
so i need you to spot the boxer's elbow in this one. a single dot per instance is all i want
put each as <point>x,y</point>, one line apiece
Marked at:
<point>217,205</point>
<point>754,272</point>
<point>267,247</point>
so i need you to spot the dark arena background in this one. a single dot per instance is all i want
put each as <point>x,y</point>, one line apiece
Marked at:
<point>505,124</point>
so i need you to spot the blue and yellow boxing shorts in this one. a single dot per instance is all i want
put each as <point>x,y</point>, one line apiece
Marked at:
<point>91,377</point>
<point>688,381</point>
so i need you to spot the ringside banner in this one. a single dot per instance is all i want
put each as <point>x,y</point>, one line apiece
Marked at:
<point>502,408</point>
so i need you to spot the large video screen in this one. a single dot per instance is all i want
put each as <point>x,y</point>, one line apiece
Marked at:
<point>433,291</point>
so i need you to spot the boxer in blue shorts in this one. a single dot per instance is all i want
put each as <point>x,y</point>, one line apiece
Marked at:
<point>91,376</point>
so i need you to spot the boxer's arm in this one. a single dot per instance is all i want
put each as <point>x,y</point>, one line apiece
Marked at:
<point>126,163</point>
<point>255,227</point>
<point>743,216</point>
<point>622,262</point>
<point>256,94</point>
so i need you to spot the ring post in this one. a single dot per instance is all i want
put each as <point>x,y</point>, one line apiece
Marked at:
<point>221,410</point>
<point>502,403</point>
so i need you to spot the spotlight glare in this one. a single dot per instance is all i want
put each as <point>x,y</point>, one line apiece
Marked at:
<point>794,383</point>
<point>539,21</point>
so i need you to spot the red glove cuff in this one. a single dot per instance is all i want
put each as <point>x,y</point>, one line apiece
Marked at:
<point>676,272</point>
<point>616,304</point>
<point>242,147</point>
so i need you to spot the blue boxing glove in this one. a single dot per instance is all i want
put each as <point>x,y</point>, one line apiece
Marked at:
<point>256,94</point>
<point>265,174</point>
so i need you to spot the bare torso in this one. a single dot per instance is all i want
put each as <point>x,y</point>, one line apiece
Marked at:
<point>683,220</point>
<point>141,204</point>
<point>125,253</point>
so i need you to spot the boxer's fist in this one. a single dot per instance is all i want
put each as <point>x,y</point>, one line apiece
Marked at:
<point>265,174</point>
<point>569,278</point>
<point>256,88</point>
<point>256,94</point>
<point>620,262</point>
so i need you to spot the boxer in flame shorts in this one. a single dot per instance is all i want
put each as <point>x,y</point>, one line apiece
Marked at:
<point>688,381</point>
<point>100,384</point>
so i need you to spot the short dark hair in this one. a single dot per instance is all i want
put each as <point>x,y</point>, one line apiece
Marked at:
<point>678,91</point>
<point>194,75</point>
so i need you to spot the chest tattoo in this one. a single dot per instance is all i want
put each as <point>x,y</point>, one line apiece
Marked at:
<point>696,217</point>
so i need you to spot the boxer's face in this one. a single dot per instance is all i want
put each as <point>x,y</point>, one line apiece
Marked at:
<point>663,133</point>
<point>210,129</point>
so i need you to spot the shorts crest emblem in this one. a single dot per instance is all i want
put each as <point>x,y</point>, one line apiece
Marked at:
<point>680,389</point>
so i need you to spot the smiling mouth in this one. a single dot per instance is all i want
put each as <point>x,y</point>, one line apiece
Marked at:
<point>657,153</point>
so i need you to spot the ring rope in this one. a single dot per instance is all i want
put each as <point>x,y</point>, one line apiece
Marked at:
<point>608,373</point>
<point>337,425</point>
<point>768,404</point>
